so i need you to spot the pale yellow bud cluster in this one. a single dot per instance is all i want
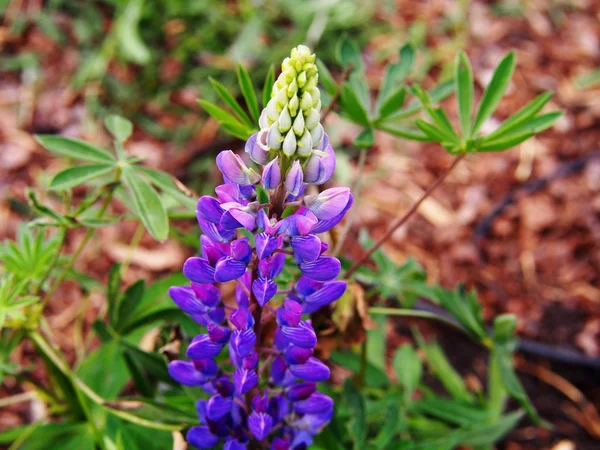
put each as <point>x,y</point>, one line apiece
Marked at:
<point>291,119</point>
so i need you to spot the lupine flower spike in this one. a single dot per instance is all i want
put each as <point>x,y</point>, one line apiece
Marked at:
<point>267,397</point>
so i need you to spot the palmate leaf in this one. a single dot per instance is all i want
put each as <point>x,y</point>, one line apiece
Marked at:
<point>76,149</point>
<point>147,203</point>
<point>74,176</point>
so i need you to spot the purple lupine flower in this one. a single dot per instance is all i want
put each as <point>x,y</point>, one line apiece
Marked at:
<point>291,151</point>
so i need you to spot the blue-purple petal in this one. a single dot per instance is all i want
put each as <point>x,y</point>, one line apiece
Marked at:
<point>201,437</point>
<point>199,270</point>
<point>323,269</point>
<point>228,269</point>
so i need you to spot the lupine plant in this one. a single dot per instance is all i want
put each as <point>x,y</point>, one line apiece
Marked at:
<point>271,397</point>
<point>249,308</point>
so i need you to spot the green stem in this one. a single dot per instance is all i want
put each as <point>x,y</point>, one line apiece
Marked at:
<point>62,235</point>
<point>88,235</point>
<point>62,365</point>
<point>412,313</point>
<point>356,192</point>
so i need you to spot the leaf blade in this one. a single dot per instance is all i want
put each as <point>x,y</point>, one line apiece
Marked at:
<point>74,176</point>
<point>74,148</point>
<point>248,92</point>
<point>463,79</point>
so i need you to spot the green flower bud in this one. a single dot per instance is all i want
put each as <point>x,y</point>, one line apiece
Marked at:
<point>293,105</point>
<point>305,144</point>
<point>306,102</point>
<point>289,144</point>
<point>285,120</point>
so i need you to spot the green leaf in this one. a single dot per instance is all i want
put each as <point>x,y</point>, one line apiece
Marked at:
<point>352,107</point>
<point>74,176</point>
<point>112,292</point>
<point>131,45</point>
<point>128,303</point>
<point>452,411</point>
<point>464,307</point>
<point>104,370</point>
<point>248,92</point>
<point>64,436</point>
<point>494,91</point>
<point>403,132</point>
<point>167,184</point>
<point>237,129</point>
<point>219,113</point>
<point>376,343</point>
<point>365,139</point>
<point>463,80</point>
<point>504,327</point>
<point>393,424</point>
<point>395,74</point>
<point>348,54</point>
<point>262,195</point>
<point>520,133</point>
<point>408,368</point>
<point>357,425</point>
<point>74,148</point>
<point>119,127</point>
<point>521,116</point>
<point>487,434</point>
<point>443,370</point>
<point>392,103</point>
<point>432,132</point>
<point>231,102</point>
<point>326,79</point>
<point>148,204</point>
<point>268,86</point>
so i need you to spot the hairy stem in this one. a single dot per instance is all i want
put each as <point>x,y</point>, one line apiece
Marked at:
<point>403,219</point>
<point>336,96</point>
<point>356,192</point>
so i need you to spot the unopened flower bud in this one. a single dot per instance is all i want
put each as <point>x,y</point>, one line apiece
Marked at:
<point>299,124</point>
<point>285,120</point>
<point>289,144</point>
<point>304,144</point>
<point>274,136</point>
<point>294,178</point>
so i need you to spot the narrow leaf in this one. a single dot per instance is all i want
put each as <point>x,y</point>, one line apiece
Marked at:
<point>231,102</point>
<point>392,103</point>
<point>396,73</point>
<point>352,107</point>
<point>268,86</point>
<point>237,129</point>
<point>365,139</point>
<point>219,113</point>
<point>112,291</point>
<point>74,148</point>
<point>248,92</point>
<point>408,368</point>
<point>326,78</point>
<point>463,79</point>
<point>148,204</point>
<point>348,54</point>
<point>403,132</point>
<point>521,116</point>
<point>494,91</point>
<point>74,176</point>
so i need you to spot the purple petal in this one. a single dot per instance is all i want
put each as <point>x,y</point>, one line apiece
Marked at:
<point>234,444</point>
<point>202,347</point>
<point>328,203</point>
<point>215,232</point>
<point>256,152</point>
<point>218,406</point>
<point>280,444</point>
<point>242,342</point>
<point>208,294</point>
<point>279,407</point>
<point>272,266</point>
<point>260,425</point>
<point>328,162</point>
<point>201,410</point>
<point>294,178</point>
<point>323,269</point>
<point>201,437</point>
<point>207,367</point>
<point>325,225</point>
<point>185,373</point>
<point>241,319</point>
<point>306,248</point>
<point>236,218</point>
<point>301,391</point>
<point>317,403</point>
<point>314,170</point>
<point>311,370</point>
<point>271,176</point>
<point>297,355</point>
<point>297,225</point>
<point>289,314</point>
<point>228,269</point>
<point>306,286</point>
<point>241,250</point>
<point>218,334</point>
<point>233,168</point>
<point>228,192</point>
<point>185,298</point>
<point>264,290</point>
<point>303,335</point>
<point>265,245</point>
<point>329,293</point>
<point>199,270</point>
<point>244,380</point>
<point>209,208</point>
<point>278,369</point>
